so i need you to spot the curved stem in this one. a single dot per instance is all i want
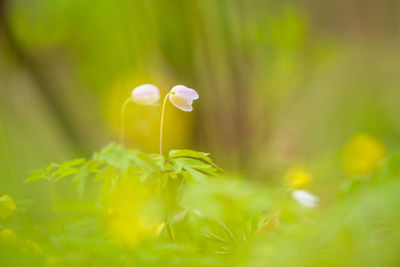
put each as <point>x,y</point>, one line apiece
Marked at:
<point>121,135</point>
<point>162,121</point>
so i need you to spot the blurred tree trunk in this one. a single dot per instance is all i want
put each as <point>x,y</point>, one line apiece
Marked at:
<point>44,87</point>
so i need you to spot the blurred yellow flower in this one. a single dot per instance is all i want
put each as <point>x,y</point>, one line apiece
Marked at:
<point>132,230</point>
<point>298,177</point>
<point>7,206</point>
<point>362,154</point>
<point>134,214</point>
<point>8,236</point>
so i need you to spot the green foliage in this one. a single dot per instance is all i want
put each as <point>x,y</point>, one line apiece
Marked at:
<point>114,160</point>
<point>55,172</point>
<point>136,208</point>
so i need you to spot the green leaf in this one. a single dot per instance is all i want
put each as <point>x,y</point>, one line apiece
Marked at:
<point>114,155</point>
<point>36,176</point>
<point>188,177</point>
<point>195,167</point>
<point>67,168</point>
<point>157,160</point>
<point>194,163</point>
<point>79,179</point>
<point>186,153</point>
<point>196,175</point>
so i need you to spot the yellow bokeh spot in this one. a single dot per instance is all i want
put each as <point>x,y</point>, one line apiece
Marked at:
<point>8,236</point>
<point>134,213</point>
<point>7,206</point>
<point>298,177</point>
<point>362,154</point>
<point>132,230</point>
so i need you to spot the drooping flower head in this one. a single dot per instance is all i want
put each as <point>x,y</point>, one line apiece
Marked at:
<point>305,198</point>
<point>146,94</point>
<point>182,97</point>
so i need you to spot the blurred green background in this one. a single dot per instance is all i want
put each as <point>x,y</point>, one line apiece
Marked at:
<point>280,82</point>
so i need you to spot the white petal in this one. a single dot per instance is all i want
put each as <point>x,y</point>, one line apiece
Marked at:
<point>184,91</point>
<point>305,198</point>
<point>146,94</point>
<point>182,103</point>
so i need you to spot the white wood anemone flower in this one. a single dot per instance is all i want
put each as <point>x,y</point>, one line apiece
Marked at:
<point>146,94</point>
<point>182,97</point>
<point>305,198</point>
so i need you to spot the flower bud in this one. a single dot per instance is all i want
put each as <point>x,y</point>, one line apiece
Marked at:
<point>146,94</point>
<point>182,97</point>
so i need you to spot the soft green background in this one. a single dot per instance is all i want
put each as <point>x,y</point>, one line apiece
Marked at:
<point>280,82</point>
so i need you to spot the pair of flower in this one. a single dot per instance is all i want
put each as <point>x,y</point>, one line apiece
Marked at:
<point>180,96</point>
<point>147,94</point>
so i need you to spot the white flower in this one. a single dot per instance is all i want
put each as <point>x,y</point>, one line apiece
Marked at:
<point>145,94</point>
<point>305,198</point>
<point>182,97</point>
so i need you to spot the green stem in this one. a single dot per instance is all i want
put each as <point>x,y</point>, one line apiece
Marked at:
<point>53,199</point>
<point>121,136</point>
<point>167,224</point>
<point>162,121</point>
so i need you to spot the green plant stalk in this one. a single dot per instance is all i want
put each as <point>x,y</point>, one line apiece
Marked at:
<point>53,199</point>
<point>121,134</point>
<point>167,224</point>
<point>162,121</point>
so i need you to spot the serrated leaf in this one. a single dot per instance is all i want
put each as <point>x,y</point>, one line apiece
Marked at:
<point>187,153</point>
<point>114,155</point>
<point>67,168</point>
<point>197,168</point>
